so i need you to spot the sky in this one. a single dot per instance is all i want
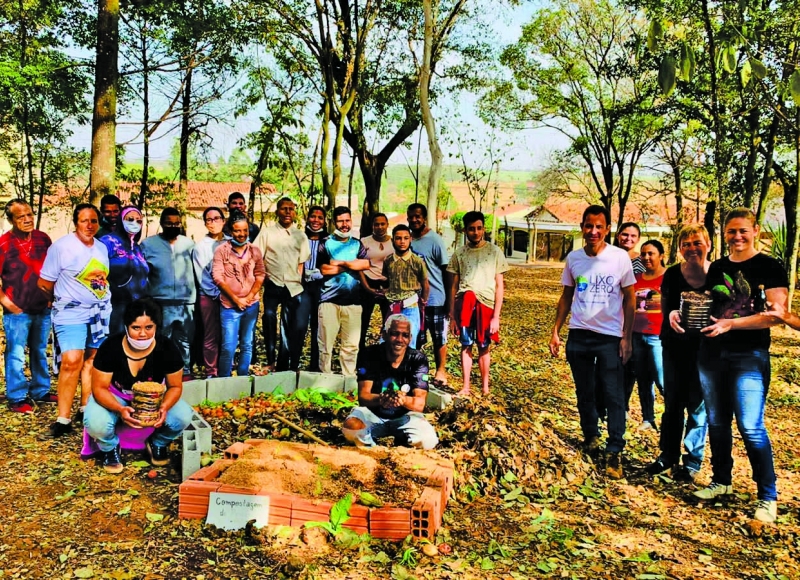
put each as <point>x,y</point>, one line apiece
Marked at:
<point>456,114</point>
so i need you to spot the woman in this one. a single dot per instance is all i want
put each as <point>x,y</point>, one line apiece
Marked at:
<point>312,279</point>
<point>75,278</point>
<point>373,282</point>
<point>127,268</point>
<point>682,391</point>
<point>238,269</point>
<point>140,353</point>
<point>734,360</point>
<point>627,238</point>
<point>646,328</point>
<point>208,295</point>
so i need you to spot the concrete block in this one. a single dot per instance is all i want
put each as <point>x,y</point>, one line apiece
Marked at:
<point>286,380</point>
<point>194,392</point>
<point>196,440</point>
<point>350,384</point>
<point>321,381</point>
<point>437,399</point>
<point>225,389</point>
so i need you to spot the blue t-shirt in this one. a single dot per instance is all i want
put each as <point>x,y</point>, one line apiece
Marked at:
<point>431,248</point>
<point>344,288</point>
<point>127,269</point>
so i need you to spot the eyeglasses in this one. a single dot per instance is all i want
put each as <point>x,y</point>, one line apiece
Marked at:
<point>397,333</point>
<point>214,219</point>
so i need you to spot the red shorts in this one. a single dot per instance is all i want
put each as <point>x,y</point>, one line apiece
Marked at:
<point>474,319</point>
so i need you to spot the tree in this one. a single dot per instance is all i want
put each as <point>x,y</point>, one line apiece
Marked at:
<point>575,70</point>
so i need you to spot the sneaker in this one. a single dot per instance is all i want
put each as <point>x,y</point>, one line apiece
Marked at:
<point>684,474</point>
<point>57,430</point>
<point>157,454</point>
<point>657,467</point>
<point>48,398</point>
<point>78,418</point>
<point>713,491</point>
<point>614,465</point>
<point>112,462</point>
<point>646,426</point>
<point>766,511</point>
<point>22,406</point>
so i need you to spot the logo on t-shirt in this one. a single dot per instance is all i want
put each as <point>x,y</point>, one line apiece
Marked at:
<point>93,277</point>
<point>582,283</point>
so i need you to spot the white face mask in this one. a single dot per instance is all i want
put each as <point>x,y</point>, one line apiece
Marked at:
<point>340,234</point>
<point>140,344</point>
<point>132,228</point>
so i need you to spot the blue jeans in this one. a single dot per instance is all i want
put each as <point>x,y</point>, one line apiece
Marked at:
<point>683,393</point>
<point>595,357</point>
<point>101,424</point>
<point>649,369</point>
<point>31,330</point>
<point>292,326</point>
<point>307,319</point>
<point>735,384</point>
<point>237,329</point>
<point>179,327</point>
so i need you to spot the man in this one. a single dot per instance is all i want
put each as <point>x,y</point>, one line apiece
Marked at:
<point>171,281</point>
<point>285,248</point>
<point>26,312</point>
<point>408,279</point>
<point>340,259</point>
<point>236,202</point>
<point>110,208</point>
<point>392,389</point>
<point>430,246</point>
<point>476,298</point>
<point>599,292</point>
<point>373,283</point>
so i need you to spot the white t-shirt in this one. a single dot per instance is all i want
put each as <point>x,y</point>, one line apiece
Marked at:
<point>598,282</point>
<point>476,269</point>
<point>81,276</point>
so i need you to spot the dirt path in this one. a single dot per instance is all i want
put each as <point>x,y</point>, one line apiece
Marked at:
<point>526,504</point>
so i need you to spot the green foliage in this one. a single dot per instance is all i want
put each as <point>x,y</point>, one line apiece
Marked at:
<point>339,515</point>
<point>324,399</point>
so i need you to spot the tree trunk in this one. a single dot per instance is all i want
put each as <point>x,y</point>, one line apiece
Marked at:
<point>104,116</point>
<point>371,170</point>
<point>329,192</point>
<point>791,197</point>
<point>676,175</point>
<point>186,134</point>
<point>143,188</point>
<point>435,173</point>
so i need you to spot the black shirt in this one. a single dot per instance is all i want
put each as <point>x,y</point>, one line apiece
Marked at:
<point>373,366</point>
<point>672,286</point>
<point>758,270</point>
<point>164,360</point>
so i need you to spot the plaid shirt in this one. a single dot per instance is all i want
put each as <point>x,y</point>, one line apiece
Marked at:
<point>406,275</point>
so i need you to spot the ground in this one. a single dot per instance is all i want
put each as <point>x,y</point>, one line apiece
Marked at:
<point>527,504</point>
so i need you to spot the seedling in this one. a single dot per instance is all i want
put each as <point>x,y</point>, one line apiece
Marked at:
<point>339,515</point>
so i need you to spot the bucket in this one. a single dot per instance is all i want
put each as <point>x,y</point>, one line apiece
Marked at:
<point>147,397</point>
<point>695,310</point>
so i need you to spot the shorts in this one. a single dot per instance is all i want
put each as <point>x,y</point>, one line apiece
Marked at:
<point>75,337</point>
<point>438,323</point>
<point>477,332</point>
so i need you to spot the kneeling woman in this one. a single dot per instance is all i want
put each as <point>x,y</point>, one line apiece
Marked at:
<point>140,354</point>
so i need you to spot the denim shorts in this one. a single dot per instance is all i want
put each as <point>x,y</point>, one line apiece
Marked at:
<point>75,337</point>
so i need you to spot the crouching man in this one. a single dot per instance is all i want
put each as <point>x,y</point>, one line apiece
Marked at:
<point>392,389</point>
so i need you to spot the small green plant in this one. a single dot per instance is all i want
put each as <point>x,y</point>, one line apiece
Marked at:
<point>409,558</point>
<point>339,515</point>
<point>324,399</point>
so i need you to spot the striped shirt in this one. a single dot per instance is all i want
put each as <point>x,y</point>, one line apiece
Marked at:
<point>406,274</point>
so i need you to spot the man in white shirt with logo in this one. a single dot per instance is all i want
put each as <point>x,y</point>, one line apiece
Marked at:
<point>285,248</point>
<point>598,290</point>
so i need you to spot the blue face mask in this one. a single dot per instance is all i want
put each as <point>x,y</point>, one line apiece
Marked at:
<point>236,244</point>
<point>132,227</point>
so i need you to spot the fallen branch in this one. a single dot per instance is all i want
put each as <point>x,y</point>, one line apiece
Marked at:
<point>299,429</point>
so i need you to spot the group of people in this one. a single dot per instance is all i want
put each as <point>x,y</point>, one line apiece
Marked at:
<point>125,309</point>
<point>626,326</point>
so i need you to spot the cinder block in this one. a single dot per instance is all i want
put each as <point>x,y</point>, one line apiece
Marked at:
<point>320,381</point>
<point>285,380</point>
<point>350,384</point>
<point>194,392</point>
<point>437,400</point>
<point>196,440</point>
<point>225,389</point>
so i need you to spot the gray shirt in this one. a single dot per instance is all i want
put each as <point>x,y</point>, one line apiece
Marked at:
<point>171,277</point>
<point>432,249</point>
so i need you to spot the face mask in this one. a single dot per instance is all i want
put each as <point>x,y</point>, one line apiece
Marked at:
<point>236,244</point>
<point>132,228</point>
<point>171,232</point>
<point>315,230</point>
<point>340,234</point>
<point>139,344</point>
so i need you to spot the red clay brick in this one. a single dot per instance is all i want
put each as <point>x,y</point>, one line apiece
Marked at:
<point>389,534</point>
<point>236,450</point>
<point>239,490</point>
<point>254,442</point>
<point>390,514</point>
<point>426,514</point>
<point>201,488</point>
